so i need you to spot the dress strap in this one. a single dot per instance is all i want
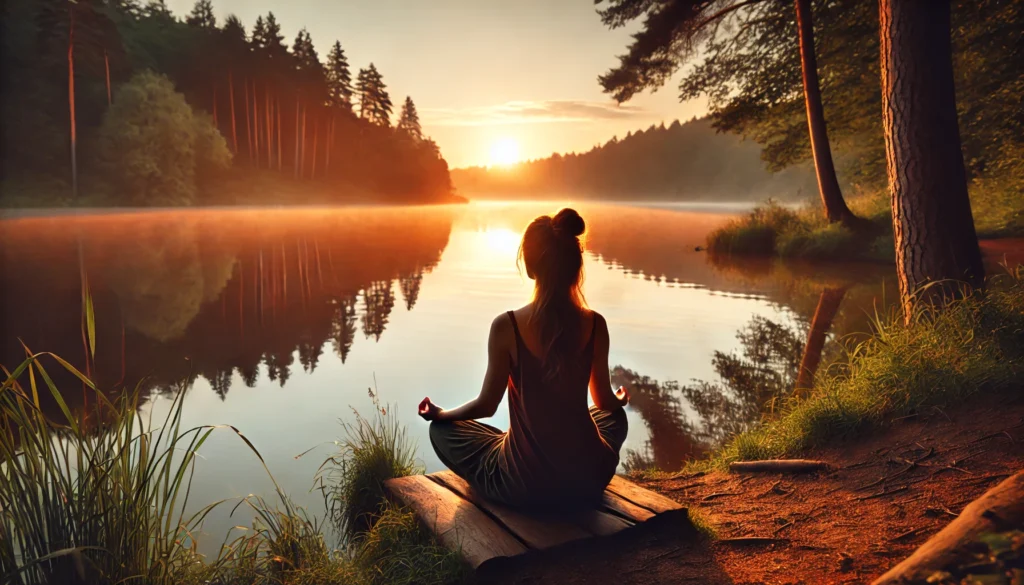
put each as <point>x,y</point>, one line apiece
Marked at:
<point>515,327</point>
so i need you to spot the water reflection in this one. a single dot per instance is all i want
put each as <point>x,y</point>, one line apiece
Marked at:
<point>183,295</point>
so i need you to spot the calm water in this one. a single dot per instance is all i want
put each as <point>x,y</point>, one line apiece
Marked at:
<point>279,321</point>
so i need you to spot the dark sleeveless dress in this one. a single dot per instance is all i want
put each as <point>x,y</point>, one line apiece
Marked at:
<point>557,453</point>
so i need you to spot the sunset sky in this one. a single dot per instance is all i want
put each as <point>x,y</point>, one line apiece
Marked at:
<point>492,79</point>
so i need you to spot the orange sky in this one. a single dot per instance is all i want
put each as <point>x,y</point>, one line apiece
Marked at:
<point>481,71</point>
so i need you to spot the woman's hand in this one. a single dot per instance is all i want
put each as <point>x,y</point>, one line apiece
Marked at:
<point>428,410</point>
<point>623,395</point>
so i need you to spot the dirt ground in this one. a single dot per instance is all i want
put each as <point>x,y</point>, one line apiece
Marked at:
<point>884,496</point>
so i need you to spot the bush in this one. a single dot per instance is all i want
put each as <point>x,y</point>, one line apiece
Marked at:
<point>154,145</point>
<point>975,344</point>
<point>773,230</point>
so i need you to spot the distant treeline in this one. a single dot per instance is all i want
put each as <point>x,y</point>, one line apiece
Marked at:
<point>683,161</point>
<point>114,100</point>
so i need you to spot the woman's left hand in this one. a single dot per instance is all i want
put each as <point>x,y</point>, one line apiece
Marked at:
<point>428,410</point>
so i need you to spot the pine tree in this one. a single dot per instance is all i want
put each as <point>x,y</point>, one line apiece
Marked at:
<point>374,101</point>
<point>202,15</point>
<point>273,41</point>
<point>339,78</point>
<point>409,121</point>
<point>259,33</point>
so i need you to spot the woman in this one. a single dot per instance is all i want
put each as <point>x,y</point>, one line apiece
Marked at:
<point>557,452</point>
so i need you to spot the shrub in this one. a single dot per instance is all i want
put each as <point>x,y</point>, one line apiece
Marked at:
<point>154,145</point>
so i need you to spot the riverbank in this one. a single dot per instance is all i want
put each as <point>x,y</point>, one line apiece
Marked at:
<point>776,230</point>
<point>240,187</point>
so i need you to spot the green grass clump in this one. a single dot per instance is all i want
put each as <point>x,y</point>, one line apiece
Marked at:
<point>702,523</point>
<point>372,452</point>
<point>773,230</point>
<point>973,345</point>
<point>398,551</point>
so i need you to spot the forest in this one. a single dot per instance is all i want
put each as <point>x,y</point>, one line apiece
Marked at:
<point>114,102</point>
<point>688,161</point>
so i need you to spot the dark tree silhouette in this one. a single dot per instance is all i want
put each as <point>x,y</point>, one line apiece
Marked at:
<point>409,121</point>
<point>374,101</point>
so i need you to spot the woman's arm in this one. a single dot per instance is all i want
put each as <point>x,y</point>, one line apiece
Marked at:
<point>600,381</point>
<point>495,380</point>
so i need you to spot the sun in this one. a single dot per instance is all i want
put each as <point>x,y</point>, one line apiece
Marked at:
<point>505,152</point>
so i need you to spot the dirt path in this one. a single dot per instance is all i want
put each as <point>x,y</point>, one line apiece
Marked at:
<point>886,495</point>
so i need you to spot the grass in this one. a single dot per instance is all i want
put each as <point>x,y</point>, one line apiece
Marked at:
<point>773,230</point>
<point>105,502</point>
<point>974,345</point>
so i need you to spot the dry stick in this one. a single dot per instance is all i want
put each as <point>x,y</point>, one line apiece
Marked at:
<point>778,466</point>
<point>718,495</point>
<point>883,493</point>
<point>752,540</point>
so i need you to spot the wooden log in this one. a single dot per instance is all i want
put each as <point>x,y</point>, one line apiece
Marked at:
<point>644,498</point>
<point>538,532</point>
<point>778,466</point>
<point>458,523</point>
<point>999,508</point>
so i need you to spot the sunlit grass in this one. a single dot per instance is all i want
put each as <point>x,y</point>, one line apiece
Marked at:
<point>972,346</point>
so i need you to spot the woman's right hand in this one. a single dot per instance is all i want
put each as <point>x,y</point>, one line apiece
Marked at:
<point>623,395</point>
<point>428,410</point>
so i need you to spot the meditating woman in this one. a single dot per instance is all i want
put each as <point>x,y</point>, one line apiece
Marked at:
<point>557,453</point>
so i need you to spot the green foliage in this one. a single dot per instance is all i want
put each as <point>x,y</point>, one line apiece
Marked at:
<point>398,551</point>
<point>154,145</point>
<point>771,229</point>
<point>973,345</point>
<point>372,452</point>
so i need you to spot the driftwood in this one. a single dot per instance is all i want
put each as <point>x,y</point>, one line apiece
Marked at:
<point>999,508</point>
<point>778,466</point>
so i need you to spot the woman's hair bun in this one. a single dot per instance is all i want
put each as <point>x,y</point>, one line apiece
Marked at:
<point>569,223</point>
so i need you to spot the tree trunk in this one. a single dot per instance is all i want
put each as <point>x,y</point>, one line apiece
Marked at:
<point>828,306</point>
<point>931,212</point>
<point>256,122</point>
<point>270,126</point>
<point>71,103</point>
<point>828,184</point>
<point>248,120</point>
<point>327,147</point>
<point>231,97</point>
<point>316,134</point>
<point>277,104</point>
<point>296,168</point>
<point>302,143</point>
<point>215,107</point>
<point>106,68</point>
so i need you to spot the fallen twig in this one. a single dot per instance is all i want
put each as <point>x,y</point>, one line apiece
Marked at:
<point>778,466</point>
<point>753,540</point>
<point>718,495</point>
<point>908,534</point>
<point>883,493</point>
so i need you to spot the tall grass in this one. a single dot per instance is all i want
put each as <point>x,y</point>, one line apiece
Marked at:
<point>106,503</point>
<point>372,451</point>
<point>970,346</point>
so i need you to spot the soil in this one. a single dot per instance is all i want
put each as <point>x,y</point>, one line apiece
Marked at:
<point>885,494</point>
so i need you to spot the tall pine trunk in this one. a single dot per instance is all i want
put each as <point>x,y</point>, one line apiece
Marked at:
<point>215,107</point>
<point>106,69</point>
<point>248,119</point>
<point>256,122</point>
<point>931,212</point>
<point>270,126</point>
<point>277,107</point>
<point>71,102</point>
<point>316,134</point>
<point>231,97</point>
<point>327,147</point>
<point>302,143</point>
<point>296,168</point>
<point>828,184</point>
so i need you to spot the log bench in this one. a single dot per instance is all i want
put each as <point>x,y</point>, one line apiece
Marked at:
<point>481,530</point>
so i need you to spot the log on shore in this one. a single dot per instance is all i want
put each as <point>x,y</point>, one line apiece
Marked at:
<point>1000,508</point>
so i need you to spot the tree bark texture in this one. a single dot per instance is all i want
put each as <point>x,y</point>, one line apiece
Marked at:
<point>231,97</point>
<point>825,169</point>
<point>71,103</point>
<point>931,212</point>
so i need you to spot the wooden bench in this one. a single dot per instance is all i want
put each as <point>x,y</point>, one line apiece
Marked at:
<point>483,530</point>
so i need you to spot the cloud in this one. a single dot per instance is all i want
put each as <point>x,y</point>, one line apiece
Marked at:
<point>531,112</point>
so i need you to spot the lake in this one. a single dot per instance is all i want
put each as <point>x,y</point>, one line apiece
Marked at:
<point>282,322</point>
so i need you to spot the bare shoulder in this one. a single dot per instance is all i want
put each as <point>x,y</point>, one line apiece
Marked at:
<point>598,320</point>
